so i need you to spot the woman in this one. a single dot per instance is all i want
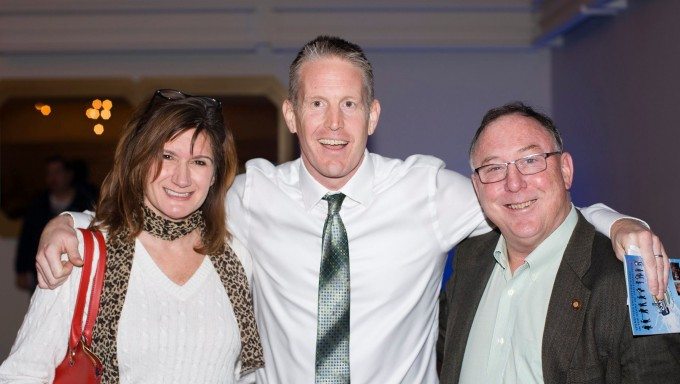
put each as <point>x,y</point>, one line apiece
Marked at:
<point>168,313</point>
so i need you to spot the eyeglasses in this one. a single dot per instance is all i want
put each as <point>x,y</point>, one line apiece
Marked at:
<point>528,165</point>
<point>173,95</point>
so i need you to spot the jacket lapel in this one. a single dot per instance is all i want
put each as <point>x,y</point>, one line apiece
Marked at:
<point>568,303</point>
<point>469,272</point>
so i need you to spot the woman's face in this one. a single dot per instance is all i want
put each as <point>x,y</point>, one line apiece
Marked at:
<point>184,179</point>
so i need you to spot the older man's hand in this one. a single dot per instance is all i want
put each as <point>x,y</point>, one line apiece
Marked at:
<point>58,238</point>
<point>627,232</point>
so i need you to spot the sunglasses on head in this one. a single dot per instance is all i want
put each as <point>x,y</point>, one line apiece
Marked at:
<point>170,95</point>
<point>174,95</point>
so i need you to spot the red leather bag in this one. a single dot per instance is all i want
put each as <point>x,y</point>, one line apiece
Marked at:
<point>81,365</point>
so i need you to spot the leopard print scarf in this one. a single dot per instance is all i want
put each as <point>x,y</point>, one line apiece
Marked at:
<point>168,229</point>
<point>120,253</point>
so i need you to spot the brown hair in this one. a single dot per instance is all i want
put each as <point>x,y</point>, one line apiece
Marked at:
<point>139,151</point>
<point>331,46</point>
<point>516,108</point>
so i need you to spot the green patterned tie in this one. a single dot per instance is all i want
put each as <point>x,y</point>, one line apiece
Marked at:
<point>332,335</point>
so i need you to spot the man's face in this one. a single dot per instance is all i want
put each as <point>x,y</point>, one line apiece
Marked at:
<point>57,177</point>
<point>526,208</point>
<point>331,120</point>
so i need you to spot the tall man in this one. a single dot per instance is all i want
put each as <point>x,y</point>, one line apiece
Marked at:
<point>345,285</point>
<point>544,300</point>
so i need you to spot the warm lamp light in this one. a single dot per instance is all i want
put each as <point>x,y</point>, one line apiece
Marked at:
<point>98,129</point>
<point>105,114</point>
<point>107,104</point>
<point>92,113</point>
<point>45,110</point>
<point>96,104</point>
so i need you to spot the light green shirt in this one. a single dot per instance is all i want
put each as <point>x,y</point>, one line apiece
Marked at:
<point>504,345</point>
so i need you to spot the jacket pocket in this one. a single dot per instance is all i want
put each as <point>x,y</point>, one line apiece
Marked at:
<point>591,374</point>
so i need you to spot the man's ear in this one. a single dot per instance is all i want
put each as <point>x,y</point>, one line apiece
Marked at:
<point>567,167</point>
<point>289,116</point>
<point>373,116</point>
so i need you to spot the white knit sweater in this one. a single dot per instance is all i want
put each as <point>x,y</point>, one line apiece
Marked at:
<point>167,333</point>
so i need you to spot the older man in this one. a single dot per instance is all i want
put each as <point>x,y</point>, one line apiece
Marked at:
<point>348,246</point>
<point>544,300</point>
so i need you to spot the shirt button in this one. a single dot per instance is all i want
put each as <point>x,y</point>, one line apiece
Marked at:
<point>511,292</point>
<point>501,340</point>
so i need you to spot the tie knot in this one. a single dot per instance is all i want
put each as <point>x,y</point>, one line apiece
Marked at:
<point>334,202</point>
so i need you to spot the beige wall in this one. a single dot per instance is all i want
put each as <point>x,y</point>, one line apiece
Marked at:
<point>14,303</point>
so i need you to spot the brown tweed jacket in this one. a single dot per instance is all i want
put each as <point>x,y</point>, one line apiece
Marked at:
<point>591,344</point>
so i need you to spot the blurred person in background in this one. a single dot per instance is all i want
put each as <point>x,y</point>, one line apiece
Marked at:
<point>81,179</point>
<point>61,195</point>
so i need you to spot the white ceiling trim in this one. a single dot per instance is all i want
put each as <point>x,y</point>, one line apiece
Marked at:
<point>79,26</point>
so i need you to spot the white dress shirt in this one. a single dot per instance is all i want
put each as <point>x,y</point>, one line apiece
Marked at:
<point>402,217</point>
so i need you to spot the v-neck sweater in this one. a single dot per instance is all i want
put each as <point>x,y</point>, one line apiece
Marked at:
<point>168,333</point>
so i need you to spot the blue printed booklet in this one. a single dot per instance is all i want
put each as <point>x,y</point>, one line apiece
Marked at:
<point>649,316</point>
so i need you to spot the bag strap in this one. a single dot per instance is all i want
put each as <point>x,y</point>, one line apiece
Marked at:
<point>96,288</point>
<point>76,330</point>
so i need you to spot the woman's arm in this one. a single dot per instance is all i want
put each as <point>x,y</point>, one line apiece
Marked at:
<point>42,340</point>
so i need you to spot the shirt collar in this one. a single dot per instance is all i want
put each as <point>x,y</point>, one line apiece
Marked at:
<point>358,189</point>
<point>544,255</point>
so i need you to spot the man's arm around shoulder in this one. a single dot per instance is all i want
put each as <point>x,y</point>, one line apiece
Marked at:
<point>58,238</point>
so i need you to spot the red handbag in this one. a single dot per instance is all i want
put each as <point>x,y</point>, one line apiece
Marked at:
<point>81,365</point>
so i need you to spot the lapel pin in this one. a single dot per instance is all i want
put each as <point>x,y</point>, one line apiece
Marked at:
<point>575,304</point>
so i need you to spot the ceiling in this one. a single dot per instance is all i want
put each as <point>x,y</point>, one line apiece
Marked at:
<point>84,26</point>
